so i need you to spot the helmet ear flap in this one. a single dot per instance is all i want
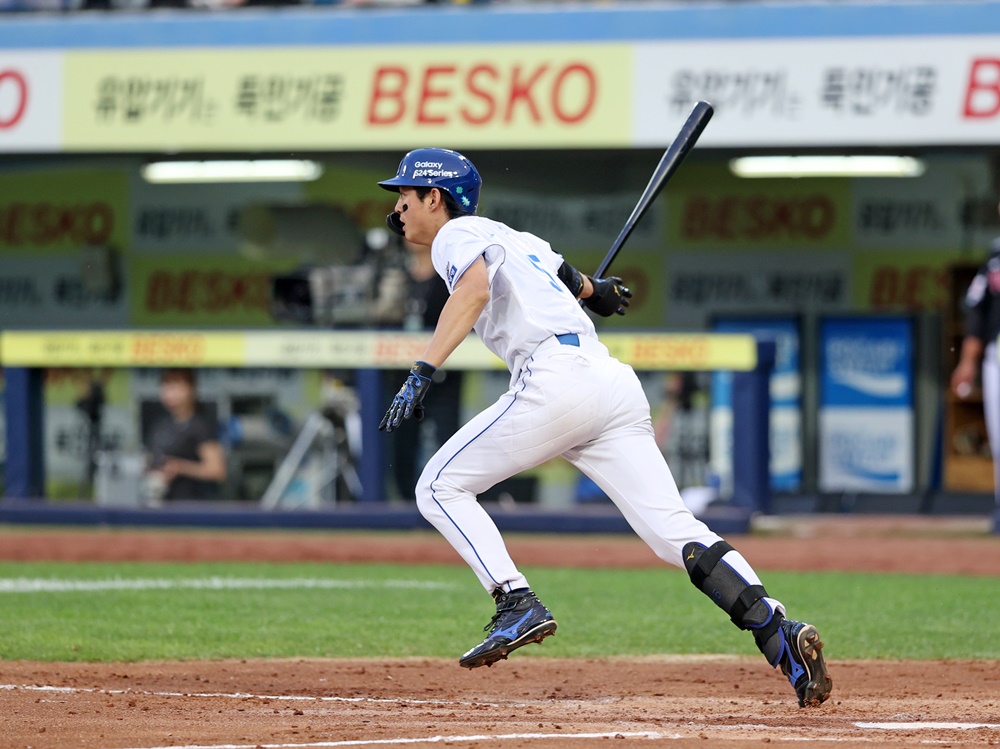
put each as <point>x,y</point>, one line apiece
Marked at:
<point>395,224</point>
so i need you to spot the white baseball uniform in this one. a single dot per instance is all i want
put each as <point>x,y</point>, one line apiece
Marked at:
<point>567,397</point>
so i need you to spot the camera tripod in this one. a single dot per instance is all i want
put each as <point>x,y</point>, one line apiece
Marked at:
<point>328,427</point>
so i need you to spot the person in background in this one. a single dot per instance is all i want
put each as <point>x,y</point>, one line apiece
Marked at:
<point>978,356</point>
<point>186,459</point>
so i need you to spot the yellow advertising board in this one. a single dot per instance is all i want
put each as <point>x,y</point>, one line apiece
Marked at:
<point>496,95</point>
<point>202,290</point>
<point>707,207</point>
<point>684,352</point>
<point>362,348</point>
<point>904,280</point>
<point>176,348</point>
<point>55,210</point>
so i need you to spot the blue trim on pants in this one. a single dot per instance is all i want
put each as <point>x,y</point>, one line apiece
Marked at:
<point>457,453</point>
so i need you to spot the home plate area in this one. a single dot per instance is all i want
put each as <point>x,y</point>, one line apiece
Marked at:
<point>528,701</point>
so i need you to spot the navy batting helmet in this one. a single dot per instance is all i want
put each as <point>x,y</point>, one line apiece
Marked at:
<point>449,171</point>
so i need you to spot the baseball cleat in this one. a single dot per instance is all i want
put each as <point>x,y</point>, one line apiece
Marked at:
<point>521,618</point>
<point>802,662</point>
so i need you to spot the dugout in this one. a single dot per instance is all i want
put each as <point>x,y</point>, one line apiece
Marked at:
<point>564,109</point>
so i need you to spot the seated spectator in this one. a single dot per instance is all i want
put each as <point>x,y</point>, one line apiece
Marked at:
<point>186,460</point>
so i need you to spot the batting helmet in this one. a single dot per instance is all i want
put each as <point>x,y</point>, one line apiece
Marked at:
<point>449,171</point>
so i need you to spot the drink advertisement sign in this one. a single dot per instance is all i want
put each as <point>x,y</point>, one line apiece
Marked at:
<point>866,404</point>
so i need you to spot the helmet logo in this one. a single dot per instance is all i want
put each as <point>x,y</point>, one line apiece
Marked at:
<point>438,167</point>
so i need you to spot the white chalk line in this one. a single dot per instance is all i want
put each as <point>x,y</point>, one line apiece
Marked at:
<point>238,695</point>
<point>865,725</point>
<point>926,725</point>
<point>48,585</point>
<point>652,735</point>
<point>430,740</point>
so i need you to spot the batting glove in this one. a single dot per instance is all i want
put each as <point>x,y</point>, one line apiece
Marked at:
<point>408,401</point>
<point>611,296</point>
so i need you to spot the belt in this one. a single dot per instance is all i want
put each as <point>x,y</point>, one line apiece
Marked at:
<point>569,339</point>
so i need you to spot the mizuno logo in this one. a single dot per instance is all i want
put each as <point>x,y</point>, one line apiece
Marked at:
<point>511,632</point>
<point>797,671</point>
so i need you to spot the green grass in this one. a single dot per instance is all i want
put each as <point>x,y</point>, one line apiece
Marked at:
<point>600,612</point>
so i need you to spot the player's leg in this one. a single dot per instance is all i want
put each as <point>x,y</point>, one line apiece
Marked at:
<point>533,422</point>
<point>626,462</point>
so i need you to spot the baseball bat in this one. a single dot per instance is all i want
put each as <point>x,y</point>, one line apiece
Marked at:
<point>671,159</point>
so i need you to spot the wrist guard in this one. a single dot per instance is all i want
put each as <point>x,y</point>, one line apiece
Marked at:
<point>572,278</point>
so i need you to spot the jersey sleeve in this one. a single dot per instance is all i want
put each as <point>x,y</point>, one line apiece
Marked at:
<point>453,253</point>
<point>203,429</point>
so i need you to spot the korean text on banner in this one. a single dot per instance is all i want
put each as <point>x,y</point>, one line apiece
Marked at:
<point>498,96</point>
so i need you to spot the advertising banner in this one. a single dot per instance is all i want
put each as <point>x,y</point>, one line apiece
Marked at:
<point>203,290</point>
<point>702,284</point>
<point>784,92</point>
<point>198,217</point>
<point>823,92</point>
<point>63,210</point>
<point>952,204</point>
<point>866,438</point>
<point>708,206</point>
<point>61,292</point>
<point>30,101</point>
<point>496,96</point>
<point>786,403</point>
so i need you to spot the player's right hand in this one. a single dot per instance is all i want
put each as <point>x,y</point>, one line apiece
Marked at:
<point>408,401</point>
<point>963,378</point>
<point>611,296</point>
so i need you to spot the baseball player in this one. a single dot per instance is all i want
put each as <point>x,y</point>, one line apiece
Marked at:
<point>979,350</point>
<point>567,397</point>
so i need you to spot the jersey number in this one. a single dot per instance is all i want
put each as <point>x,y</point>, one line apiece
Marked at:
<point>538,264</point>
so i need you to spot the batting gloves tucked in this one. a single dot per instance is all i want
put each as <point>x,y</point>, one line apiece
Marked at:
<point>611,296</point>
<point>408,401</point>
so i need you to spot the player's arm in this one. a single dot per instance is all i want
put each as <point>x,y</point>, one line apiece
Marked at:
<point>964,376</point>
<point>210,466</point>
<point>605,296</point>
<point>459,315</point>
<point>976,303</point>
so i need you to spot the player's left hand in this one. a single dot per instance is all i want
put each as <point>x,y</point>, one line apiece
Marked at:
<point>408,401</point>
<point>611,296</point>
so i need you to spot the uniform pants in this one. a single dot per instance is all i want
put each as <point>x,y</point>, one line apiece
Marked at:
<point>582,404</point>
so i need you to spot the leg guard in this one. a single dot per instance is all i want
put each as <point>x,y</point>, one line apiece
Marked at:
<point>743,602</point>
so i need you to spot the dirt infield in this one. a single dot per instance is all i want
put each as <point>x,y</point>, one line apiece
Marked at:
<point>524,702</point>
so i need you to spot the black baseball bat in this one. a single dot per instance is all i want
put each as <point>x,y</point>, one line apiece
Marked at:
<point>671,159</point>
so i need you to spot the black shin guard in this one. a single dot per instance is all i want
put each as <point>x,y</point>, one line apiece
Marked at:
<point>742,602</point>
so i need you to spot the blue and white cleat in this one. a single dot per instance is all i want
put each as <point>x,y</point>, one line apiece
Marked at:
<point>520,619</point>
<point>802,662</point>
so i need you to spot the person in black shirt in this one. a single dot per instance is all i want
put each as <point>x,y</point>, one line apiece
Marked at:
<point>186,458</point>
<point>979,351</point>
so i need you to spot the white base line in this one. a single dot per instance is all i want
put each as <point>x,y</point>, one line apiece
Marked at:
<point>431,740</point>
<point>44,585</point>
<point>883,726</point>
<point>236,695</point>
<point>927,726</point>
